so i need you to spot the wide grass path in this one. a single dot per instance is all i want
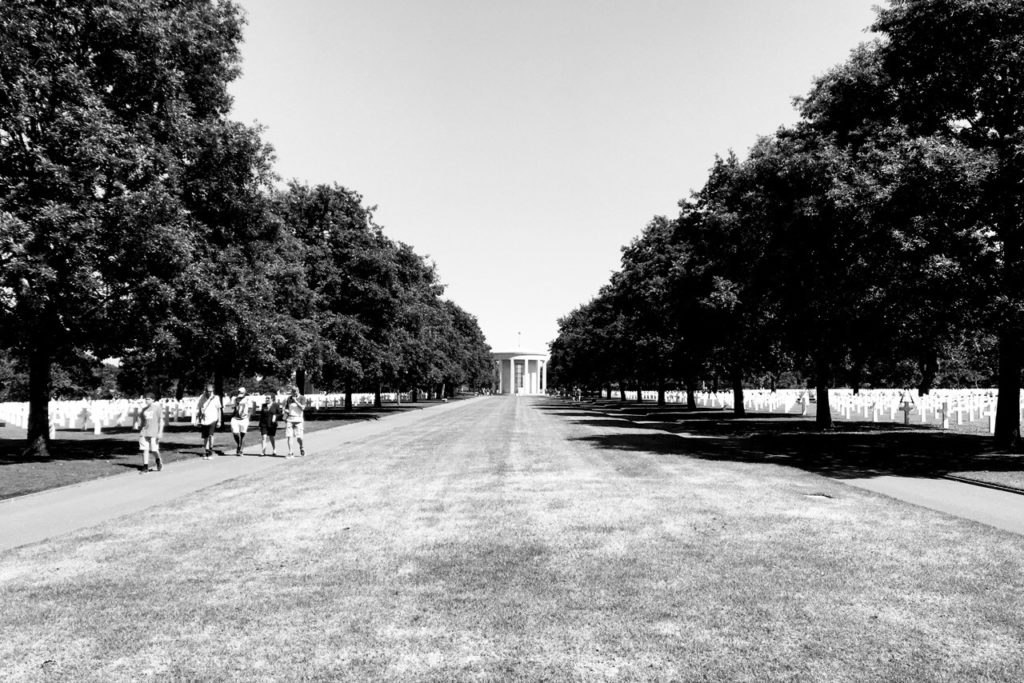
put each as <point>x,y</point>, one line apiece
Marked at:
<point>46,514</point>
<point>506,539</point>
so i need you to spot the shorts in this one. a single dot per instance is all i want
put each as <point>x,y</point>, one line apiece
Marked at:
<point>239,426</point>
<point>293,429</point>
<point>208,430</point>
<point>149,443</point>
<point>269,430</point>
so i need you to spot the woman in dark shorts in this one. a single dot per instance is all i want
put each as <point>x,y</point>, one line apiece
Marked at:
<point>270,414</point>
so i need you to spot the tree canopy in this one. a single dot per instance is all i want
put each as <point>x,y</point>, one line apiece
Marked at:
<point>138,221</point>
<point>879,241</point>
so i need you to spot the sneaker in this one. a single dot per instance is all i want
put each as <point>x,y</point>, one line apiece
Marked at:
<point>144,469</point>
<point>159,463</point>
<point>289,456</point>
<point>302,452</point>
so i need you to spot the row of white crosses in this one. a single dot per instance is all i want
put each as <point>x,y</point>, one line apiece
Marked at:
<point>325,400</point>
<point>97,415</point>
<point>948,407</point>
<point>944,406</point>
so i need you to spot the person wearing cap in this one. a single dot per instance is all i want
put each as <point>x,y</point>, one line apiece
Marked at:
<point>241,411</point>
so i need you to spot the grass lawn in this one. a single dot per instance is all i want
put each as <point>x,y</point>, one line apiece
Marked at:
<point>78,455</point>
<point>525,540</point>
<point>854,448</point>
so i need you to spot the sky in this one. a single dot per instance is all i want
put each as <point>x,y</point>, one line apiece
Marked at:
<point>520,144</point>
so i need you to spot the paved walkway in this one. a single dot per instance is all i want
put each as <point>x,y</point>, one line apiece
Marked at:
<point>38,516</point>
<point>1001,509</point>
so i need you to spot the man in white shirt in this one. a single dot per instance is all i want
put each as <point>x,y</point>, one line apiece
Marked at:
<point>209,413</point>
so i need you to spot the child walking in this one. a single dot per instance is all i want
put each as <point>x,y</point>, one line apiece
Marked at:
<point>150,423</point>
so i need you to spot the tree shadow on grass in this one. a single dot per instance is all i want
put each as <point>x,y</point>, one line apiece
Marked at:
<point>12,451</point>
<point>852,450</point>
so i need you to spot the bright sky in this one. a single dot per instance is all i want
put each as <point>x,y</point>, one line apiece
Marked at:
<point>519,144</point>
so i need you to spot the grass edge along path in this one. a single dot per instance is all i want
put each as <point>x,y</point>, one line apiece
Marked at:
<point>521,540</point>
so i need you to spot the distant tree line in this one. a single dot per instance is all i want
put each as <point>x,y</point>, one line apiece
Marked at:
<point>879,241</point>
<point>138,222</point>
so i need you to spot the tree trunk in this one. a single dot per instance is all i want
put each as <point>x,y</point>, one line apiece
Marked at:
<point>691,394</point>
<point>377,402</point>
<point>179,392</point>
<point>661,393</point>
<point>929,365</point>
<point>348,399</point>
<point>218,383</point>
<point>1007,435</point>
<point>823,416</point>
<point>300,380</point>
<point>738,409</point>
<point>1007,432</point>
<point>639,393</point>
<point>414,395</point>
<point>38,403</point>
<point>622,391</point>
<point>856,377</point>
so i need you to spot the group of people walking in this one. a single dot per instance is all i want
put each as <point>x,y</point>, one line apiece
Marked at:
<point>209,415</point>
<point>242,407</point>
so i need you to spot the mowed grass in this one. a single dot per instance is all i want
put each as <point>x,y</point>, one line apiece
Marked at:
<point>503,541</point>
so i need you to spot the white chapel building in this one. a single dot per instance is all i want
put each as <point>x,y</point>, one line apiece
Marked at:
<point>521,372</point>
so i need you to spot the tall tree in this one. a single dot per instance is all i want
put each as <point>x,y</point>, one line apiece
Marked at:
<point>642,296</point>
<point>956,68</point>
<point>101,104</point>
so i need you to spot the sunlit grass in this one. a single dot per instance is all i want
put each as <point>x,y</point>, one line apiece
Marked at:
<point>454,551</point>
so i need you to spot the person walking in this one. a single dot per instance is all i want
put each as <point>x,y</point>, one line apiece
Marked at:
<point>209,414</point>
<point>270,413</point>
<point>150,423</point>
<point>241,412</point>
<point>294,410</point>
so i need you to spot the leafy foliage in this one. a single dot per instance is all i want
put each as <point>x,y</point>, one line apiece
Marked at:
<point>138,221</point>
<point>879,241</point>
